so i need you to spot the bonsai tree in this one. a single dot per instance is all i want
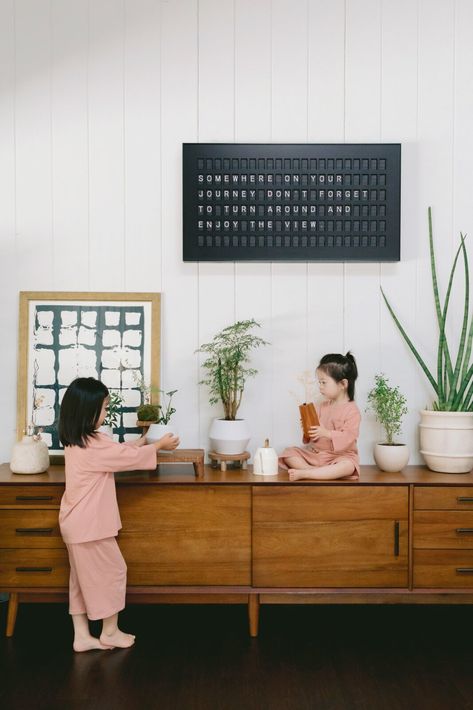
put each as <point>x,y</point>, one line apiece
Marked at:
<point>114,409</point>
<point>388,405</point>
<point>453,380</point>
<point>227,364</point>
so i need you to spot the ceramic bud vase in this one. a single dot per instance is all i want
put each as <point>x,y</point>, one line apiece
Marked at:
<point>30,455</point>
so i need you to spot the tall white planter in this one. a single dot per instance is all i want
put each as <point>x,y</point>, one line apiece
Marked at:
<point>446,440</point>
<point>229,437</point>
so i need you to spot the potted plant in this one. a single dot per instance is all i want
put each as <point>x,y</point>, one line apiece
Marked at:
<point>114,410</point>
<point>155,416</point>
<point>446,430</point>
<point>226,374</point>
<point>389,407</point>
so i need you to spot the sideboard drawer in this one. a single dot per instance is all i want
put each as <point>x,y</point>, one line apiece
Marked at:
<point>445,498</point>
<point>449,569</point>
<point>34,568</point>
<point>34,496</point>
<point>30,528</point>
<point>448,529</point>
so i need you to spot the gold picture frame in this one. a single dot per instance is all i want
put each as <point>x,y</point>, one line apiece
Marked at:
<point>58,340</point>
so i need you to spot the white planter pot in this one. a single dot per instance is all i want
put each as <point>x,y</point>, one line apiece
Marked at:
<point>30,455</point>
<point>157,431</point>
<point>229,437</point>
<point>391,457</point>
<point>446,440</point>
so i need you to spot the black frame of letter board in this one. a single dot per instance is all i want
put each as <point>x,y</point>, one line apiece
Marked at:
<point>291,202</point>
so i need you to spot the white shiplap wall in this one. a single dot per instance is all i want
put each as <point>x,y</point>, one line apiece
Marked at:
<point>96,99</point>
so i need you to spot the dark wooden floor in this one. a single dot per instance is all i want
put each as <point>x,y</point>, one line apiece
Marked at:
<point>201,658</point>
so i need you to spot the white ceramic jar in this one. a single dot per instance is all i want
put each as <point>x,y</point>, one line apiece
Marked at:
<point>30,455</point>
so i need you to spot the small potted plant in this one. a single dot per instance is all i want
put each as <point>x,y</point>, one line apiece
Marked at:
<point>156,416</point>
<point>389,407</point>
<point>114,410</point>
<point>226,374</point>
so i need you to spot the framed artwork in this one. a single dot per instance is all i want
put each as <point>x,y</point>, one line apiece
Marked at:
<point>114,337</point>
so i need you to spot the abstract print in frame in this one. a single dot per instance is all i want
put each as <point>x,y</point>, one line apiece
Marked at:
<point>114,337</point>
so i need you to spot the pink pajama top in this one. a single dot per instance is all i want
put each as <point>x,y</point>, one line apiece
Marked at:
<point>89,508</point>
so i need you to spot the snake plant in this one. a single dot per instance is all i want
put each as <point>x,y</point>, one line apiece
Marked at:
<point>453,384</point>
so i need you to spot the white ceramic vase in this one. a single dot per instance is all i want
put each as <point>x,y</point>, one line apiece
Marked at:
<point>446,440</point>
<point>30,455</point>
<point>391,457</point>
<point>265,461</point>
<point>229,436</point>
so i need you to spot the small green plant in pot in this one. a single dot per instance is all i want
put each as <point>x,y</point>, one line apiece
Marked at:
<point>446,431</point>
<point>389,407</point>
<point>227,371</point>
<point>114,410</point>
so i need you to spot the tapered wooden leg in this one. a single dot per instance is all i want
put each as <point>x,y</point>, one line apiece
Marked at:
<point>253,614</point>
<point>199,469</point>
<point>11,614</point>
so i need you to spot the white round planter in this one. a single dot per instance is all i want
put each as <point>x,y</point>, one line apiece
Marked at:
<point>446,440</point>
<point>157,431</point>
<point>229,437</point>
<point>391,457</point>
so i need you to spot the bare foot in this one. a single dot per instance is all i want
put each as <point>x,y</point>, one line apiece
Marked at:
<point>295,474</point>
<point>117,638</point>
<point>89,643</point>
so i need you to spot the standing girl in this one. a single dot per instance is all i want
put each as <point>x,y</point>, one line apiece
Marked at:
<point>89,518</point>
<point>331,451</point>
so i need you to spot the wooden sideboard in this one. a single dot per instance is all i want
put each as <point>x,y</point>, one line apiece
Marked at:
<point>232,537</point>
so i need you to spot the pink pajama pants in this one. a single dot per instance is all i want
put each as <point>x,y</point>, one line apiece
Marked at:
<point>97,582</point>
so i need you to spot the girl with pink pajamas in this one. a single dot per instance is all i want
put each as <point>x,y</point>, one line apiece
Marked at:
<point>89,517</point>
<point>331,451</point>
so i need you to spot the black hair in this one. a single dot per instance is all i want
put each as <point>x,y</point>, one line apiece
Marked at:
<point>80,410</point>
<point>341,367</point>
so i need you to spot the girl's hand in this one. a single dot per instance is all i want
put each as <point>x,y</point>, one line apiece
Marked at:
<point>168,442</point>
<point>318,432</point>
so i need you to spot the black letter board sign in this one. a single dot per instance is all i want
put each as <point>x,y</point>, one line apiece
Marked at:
<point>291,202</point>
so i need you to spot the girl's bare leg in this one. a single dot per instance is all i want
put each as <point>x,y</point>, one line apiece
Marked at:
<point>83,639</point>
<point>295,462</point>
<point>341,469</point>
<point>112,636</point>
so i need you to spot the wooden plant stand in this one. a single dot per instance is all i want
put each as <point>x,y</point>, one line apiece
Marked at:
<point>193,456</point>
<point>222,459</point>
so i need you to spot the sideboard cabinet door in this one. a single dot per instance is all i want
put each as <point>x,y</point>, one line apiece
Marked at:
<point>186,535</point>
<point>330,536</point>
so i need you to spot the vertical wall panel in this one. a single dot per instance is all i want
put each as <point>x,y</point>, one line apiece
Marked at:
<point>463,136</point>
<point>435,167</point>
<point>399,124</point>
<point>35,250</point>
<point>253,281</point>
<point>180,304</point>
<point>325,321</point>
<point>142,126</point>
<point>216,124</point>
<point>362,124</point>
<point>289,281</point>
<point>106,146</point>
<point>70,163</point>
<point>8,264</point>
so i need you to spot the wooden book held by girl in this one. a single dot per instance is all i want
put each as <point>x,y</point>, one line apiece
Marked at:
<point>309,417</point>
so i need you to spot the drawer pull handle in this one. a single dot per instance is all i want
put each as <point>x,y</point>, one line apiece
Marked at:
<point>34,569</point>
<point>465,570</point>
<point>34,498</point>
<point>396,538</point>
<point>464,499</point>
<point>464,531</point>
<point>33,530</point>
